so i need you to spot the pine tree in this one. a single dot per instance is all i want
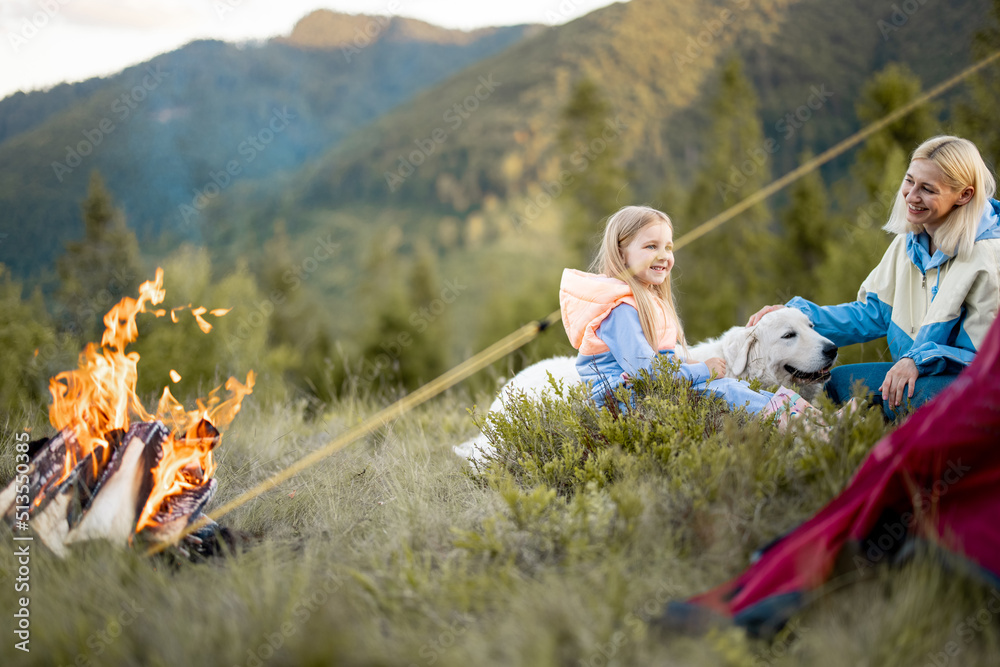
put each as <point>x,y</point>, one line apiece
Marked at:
<point>425,355</point>
<point>976,115</point>
<point>724,275</point>
<point>27,346</point>
<point>590,158</point>
<point>886,91</point>
<point>806,232</point>
<point>97,271</point>
<point>877,172</point>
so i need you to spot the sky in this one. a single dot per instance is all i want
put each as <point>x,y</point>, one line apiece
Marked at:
<point>45,42</point>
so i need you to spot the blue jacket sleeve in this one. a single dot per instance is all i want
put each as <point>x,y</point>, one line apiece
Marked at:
<point>848,323</point>
<point>935,359</point>
<point>622,333</point>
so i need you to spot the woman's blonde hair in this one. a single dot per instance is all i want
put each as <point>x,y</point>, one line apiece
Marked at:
<point>963,166</point>
<point>618,233</point>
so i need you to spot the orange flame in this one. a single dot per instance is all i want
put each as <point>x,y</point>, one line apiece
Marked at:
<point>99,397</point>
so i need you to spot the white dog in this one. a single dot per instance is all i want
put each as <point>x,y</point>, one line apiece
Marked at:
<point>782,348</point>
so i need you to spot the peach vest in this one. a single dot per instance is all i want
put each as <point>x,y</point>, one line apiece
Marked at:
<point>586,299</point>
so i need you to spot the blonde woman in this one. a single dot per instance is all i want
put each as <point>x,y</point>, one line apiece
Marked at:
<point>622,316</point>
<point>936,291</point>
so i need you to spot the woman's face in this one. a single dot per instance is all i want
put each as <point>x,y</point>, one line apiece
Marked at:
<point>929,198</point>
<point>650,255</point>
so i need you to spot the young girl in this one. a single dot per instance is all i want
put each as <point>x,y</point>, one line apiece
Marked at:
<point>623,315</point>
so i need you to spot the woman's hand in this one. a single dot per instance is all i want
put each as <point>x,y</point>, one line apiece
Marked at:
<point>716,366</point>
<point>755,318</point>
<point>901,378</point>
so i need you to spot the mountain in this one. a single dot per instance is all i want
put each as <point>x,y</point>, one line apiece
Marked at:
<point>656,63</point>
<point>170,134</point>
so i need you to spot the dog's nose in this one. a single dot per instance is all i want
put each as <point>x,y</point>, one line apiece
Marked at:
<point>830,351</point>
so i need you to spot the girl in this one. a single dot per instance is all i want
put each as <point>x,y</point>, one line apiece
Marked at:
<point>623,315</point>
<point>936,290</point>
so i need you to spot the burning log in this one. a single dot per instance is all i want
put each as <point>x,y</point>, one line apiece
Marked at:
<point>105,500</point>
<point>113,470</point>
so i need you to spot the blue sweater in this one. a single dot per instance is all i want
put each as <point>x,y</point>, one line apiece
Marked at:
<point>628,353</point>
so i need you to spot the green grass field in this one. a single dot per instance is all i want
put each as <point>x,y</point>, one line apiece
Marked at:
<point>392,552</point>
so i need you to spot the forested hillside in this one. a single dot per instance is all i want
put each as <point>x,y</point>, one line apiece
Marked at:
<point>165,134</point>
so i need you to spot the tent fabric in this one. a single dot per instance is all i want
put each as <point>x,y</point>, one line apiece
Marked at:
<point>936,478</point>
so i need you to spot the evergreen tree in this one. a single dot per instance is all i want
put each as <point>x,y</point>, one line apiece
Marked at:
<point>877,173</point>
<point>425,356</point>
<point>406,345</point>
<point>27,346</point>
<point>97,271</point>
<point>724,275</point>
<point>886,91</point>
<point>977,113</point>
<point>297,326</point>
<point>590,158</point>
<point>806,227</point>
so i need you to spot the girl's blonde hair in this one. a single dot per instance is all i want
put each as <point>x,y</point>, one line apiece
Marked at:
<point>963,166</point>
<point>618,233</point>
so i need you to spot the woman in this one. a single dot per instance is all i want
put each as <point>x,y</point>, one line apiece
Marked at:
<point>936,291</point>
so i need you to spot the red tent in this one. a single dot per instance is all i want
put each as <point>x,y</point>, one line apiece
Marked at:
<point>935,478</point>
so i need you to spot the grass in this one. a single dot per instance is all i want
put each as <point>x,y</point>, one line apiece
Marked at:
<point>393,553</point>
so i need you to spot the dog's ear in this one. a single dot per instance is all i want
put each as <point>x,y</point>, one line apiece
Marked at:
<point>736,349</point>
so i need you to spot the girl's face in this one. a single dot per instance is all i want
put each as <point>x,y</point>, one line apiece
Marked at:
<point>929,198</point>
<point>650,255</point>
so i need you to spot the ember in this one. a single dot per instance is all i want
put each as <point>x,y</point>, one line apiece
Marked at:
<point>113,470</point>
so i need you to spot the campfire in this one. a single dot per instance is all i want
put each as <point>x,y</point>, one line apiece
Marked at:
<point>113,470</point>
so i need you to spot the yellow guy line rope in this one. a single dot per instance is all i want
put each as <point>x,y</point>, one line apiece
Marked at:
<point>529,331</point>
<point>474,364</point>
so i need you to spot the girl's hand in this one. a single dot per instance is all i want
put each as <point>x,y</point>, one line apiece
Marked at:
<point>716,366</point>
<point>755,318</point>
<point>901,378</point>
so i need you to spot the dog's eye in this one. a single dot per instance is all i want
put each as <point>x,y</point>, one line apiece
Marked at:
<point>790,334</point>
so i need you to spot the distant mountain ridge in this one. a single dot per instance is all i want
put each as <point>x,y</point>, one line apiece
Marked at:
<point>328,30</point>
<point>185,128</point>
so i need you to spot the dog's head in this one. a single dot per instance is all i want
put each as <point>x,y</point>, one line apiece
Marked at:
<point>783,348</point>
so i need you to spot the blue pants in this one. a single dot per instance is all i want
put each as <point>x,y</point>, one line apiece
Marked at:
<point>842,379</point>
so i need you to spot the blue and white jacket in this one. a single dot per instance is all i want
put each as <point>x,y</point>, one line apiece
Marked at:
<point>934,309</point>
